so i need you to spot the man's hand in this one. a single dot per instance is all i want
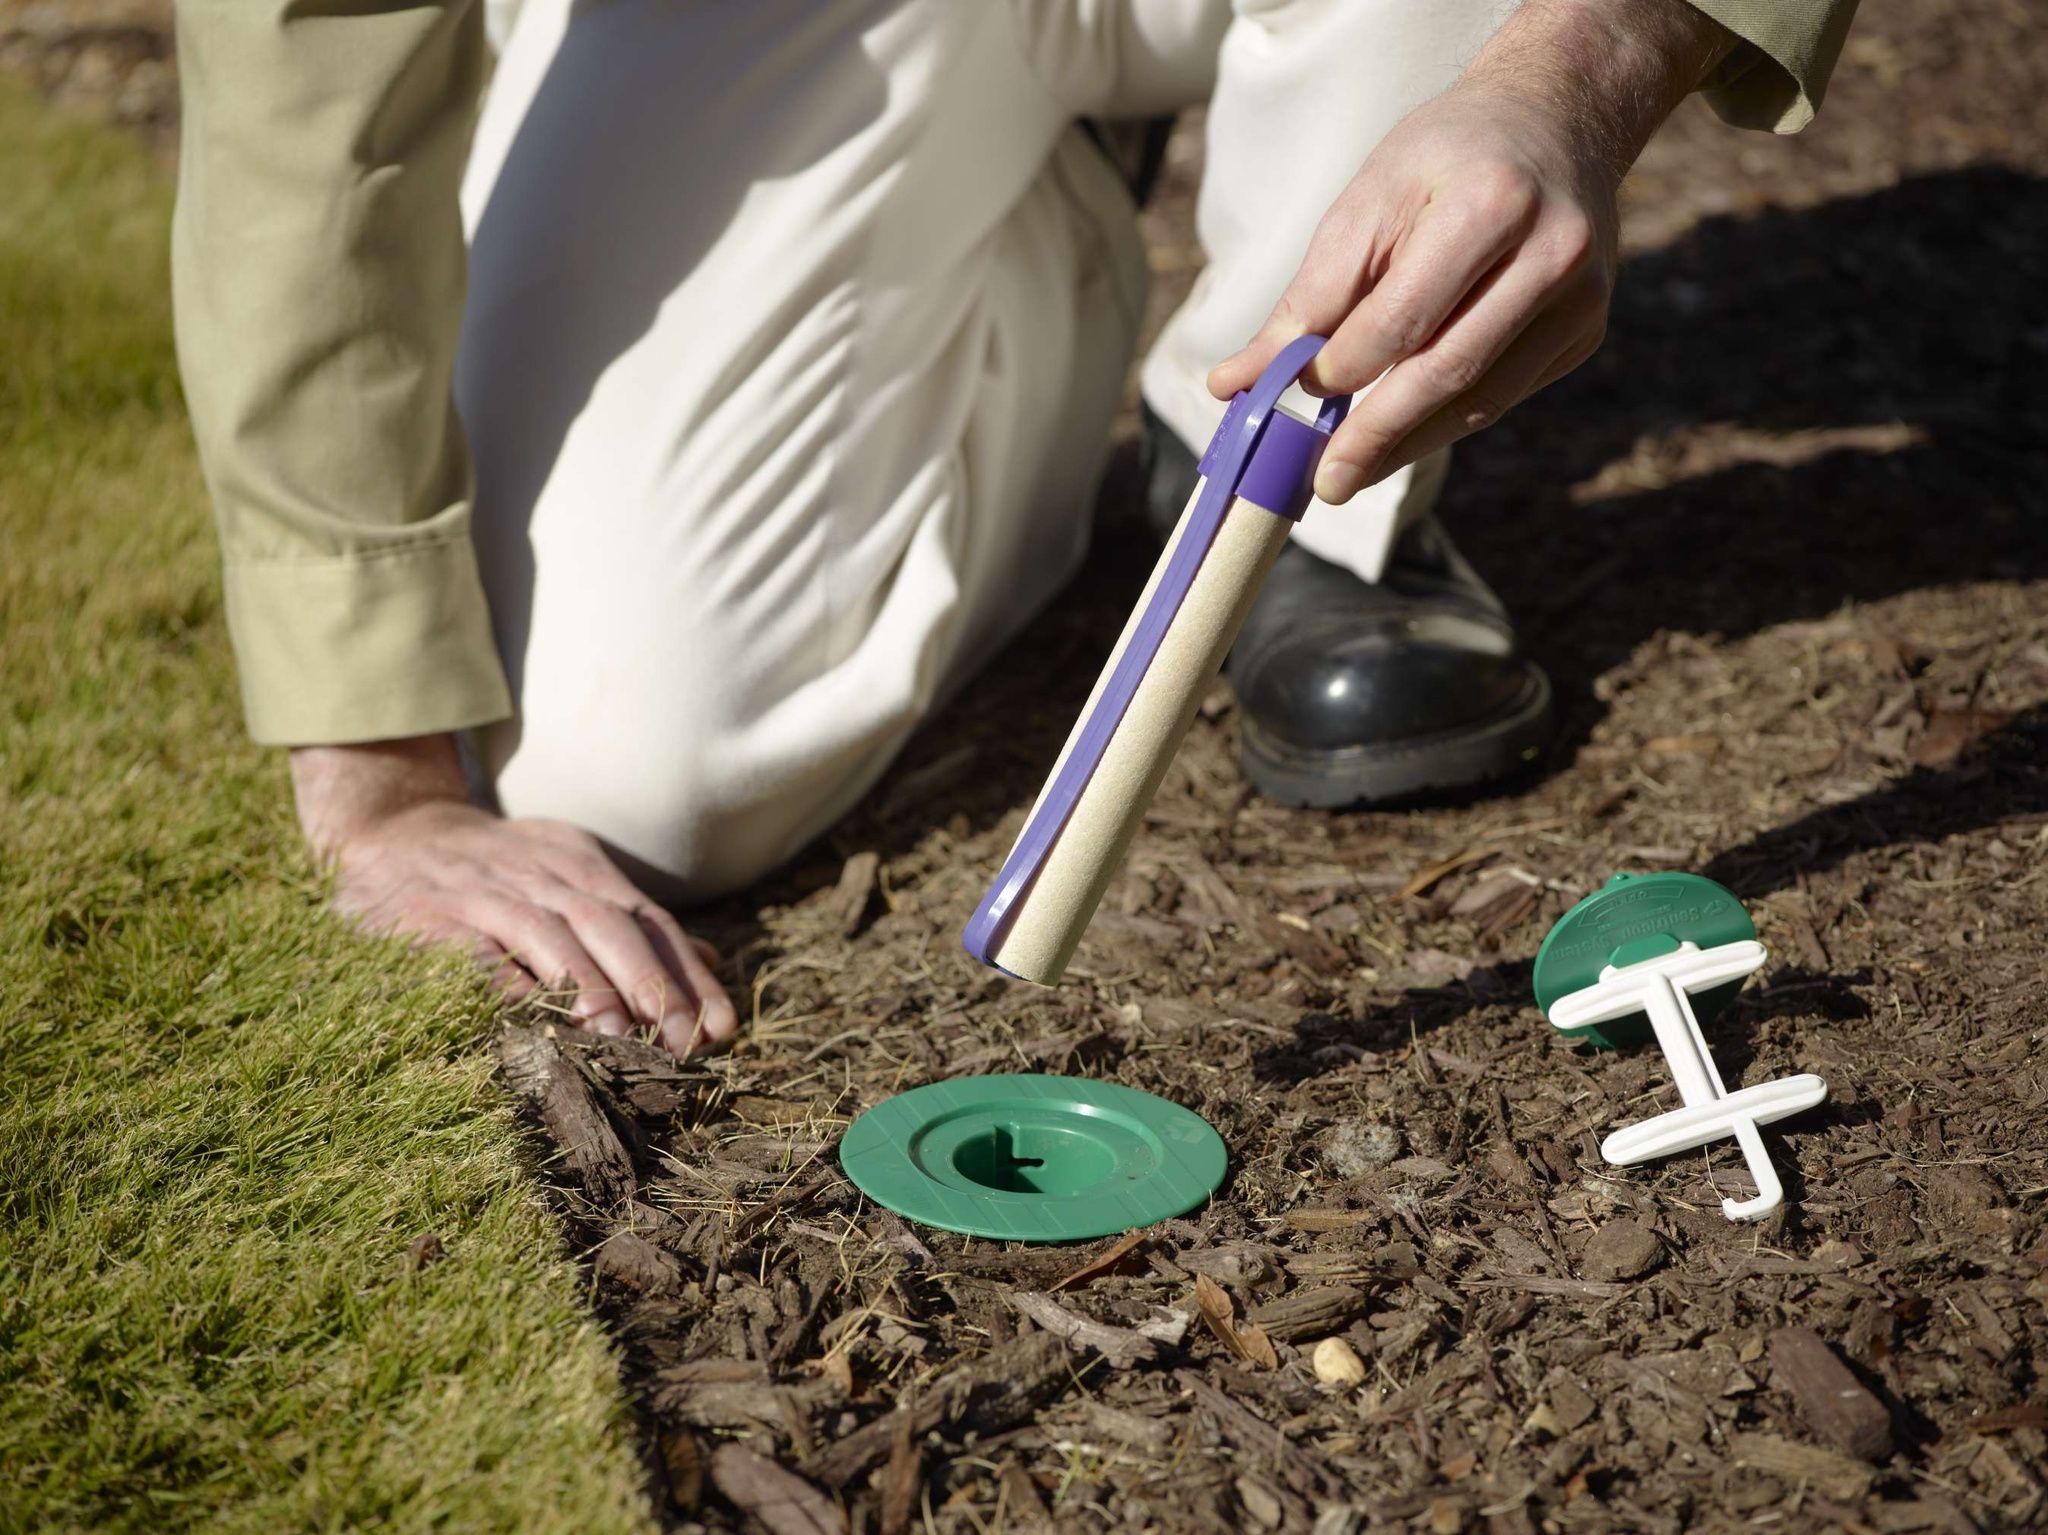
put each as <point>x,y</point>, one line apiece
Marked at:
<point>537,902</point>
<point>1471,260</point>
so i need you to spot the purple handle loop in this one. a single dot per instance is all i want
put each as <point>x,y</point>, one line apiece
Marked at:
<point>1268,459</point>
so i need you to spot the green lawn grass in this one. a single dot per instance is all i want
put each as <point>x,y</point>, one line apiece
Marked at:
<point>222,1119</point>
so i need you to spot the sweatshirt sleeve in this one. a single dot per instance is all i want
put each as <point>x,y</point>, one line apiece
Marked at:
<point>1776,79</point>
<point>317,276</point>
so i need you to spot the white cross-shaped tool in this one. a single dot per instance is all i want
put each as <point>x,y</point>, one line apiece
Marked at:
<point>1662,987</point>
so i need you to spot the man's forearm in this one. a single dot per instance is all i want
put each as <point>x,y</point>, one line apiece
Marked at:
<point>1618,67</point>
<point>317,268</point>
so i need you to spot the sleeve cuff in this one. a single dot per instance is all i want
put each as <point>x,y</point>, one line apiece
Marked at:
<point>1775,80</point>
<point>1753,90</point>
<point>364,647</point>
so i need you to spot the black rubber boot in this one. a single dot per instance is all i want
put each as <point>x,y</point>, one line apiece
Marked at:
<point>1353,692</point>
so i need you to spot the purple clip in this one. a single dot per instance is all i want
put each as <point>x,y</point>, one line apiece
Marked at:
<point>1259,453</point>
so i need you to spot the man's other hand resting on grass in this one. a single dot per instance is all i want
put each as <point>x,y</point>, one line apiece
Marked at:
<point>537,902</point>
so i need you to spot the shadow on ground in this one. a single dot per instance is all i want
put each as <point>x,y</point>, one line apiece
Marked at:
<point>1793,411</point>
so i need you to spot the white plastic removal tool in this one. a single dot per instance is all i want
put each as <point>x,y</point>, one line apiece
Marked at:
<point>1662,988</point>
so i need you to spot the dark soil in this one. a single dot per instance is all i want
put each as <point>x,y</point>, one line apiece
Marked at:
<point>1782,546</point>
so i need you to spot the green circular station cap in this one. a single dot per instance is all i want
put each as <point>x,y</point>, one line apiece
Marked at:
<point>1634,917</point>
<point>1033,1158</point>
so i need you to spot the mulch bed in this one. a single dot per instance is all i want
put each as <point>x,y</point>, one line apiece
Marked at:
<point>1782,547</point>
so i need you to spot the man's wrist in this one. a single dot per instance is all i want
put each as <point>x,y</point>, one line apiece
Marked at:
<point>1615,68</point>
<point>341,790</point>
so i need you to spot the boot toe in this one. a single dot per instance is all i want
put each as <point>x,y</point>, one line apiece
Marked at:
<point>1331,686</point>
<point>1361,694</point>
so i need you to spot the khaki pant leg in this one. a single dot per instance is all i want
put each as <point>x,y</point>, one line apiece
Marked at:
<point>794,333</point>
<point>1305,89</point>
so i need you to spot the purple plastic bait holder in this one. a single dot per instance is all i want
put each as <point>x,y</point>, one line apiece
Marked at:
<point>1259,454</point>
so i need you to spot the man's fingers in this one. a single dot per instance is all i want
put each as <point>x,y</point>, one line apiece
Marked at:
<point>428,924</point>
<point>1532,364</point>
<point>1458,365</point>
<point>710,1018</point>
<point>649,985</point>
<point>1452,248</point>
<point>508,978</point>
<point>1432,258</point>
<point>693,1011</point>
<point>1571,359</point>
<point>1546,351</point>
<point>599,902</point>
<point>543,943</point>
<point>1333,276</point>
<point>1243,370</point>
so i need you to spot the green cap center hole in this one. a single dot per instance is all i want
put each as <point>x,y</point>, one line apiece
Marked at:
<point>1034,1159</point>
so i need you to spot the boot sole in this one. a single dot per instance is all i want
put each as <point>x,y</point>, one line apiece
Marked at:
<point>1446,764</point>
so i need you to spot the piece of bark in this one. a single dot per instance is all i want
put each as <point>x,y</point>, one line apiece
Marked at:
<point>1261,1503</point>
<point>1548,1284</point>
<point>1121,1346</point>
<point>838,1370</point>
<point>902,1480</point>
<point>997,1391</point>
<point>798,1328</point>
<point>1834,1403</point>
<point>1621,1250</point>
<point>631,1260</point>
<point>682,1463</point>
<point>1313,1219</point>
<point>848,902</point>
<point>1315,1312</point>
<point>1098,1420</point>
<point>1240,1263</point>
<point>1834,1475</point>
<point>781,1500</point>
<point>1103,1263</point>
<point>561,1098</point>
<point>1571,1404</point>
<point>2001,1419</point>
<point>640,1077</point>
<point>905,1241</point>
<point>1991,1333</point>
<point>1248,1431</point>
<point>729,1405</point>
<point>1247,1341</point>
<point>1035,1268</point>
<point>1024,1507</point>
<point>714,1372</point>
<point>793,1197</point>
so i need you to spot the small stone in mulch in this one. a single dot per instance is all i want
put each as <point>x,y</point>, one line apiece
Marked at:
<point>1337,1363</point>
<point>1621,1250</point>
<point>1358,1147</point>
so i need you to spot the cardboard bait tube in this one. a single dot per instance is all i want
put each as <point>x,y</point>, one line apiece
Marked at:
<point>1050,917</point>
<point>1254,483</point>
